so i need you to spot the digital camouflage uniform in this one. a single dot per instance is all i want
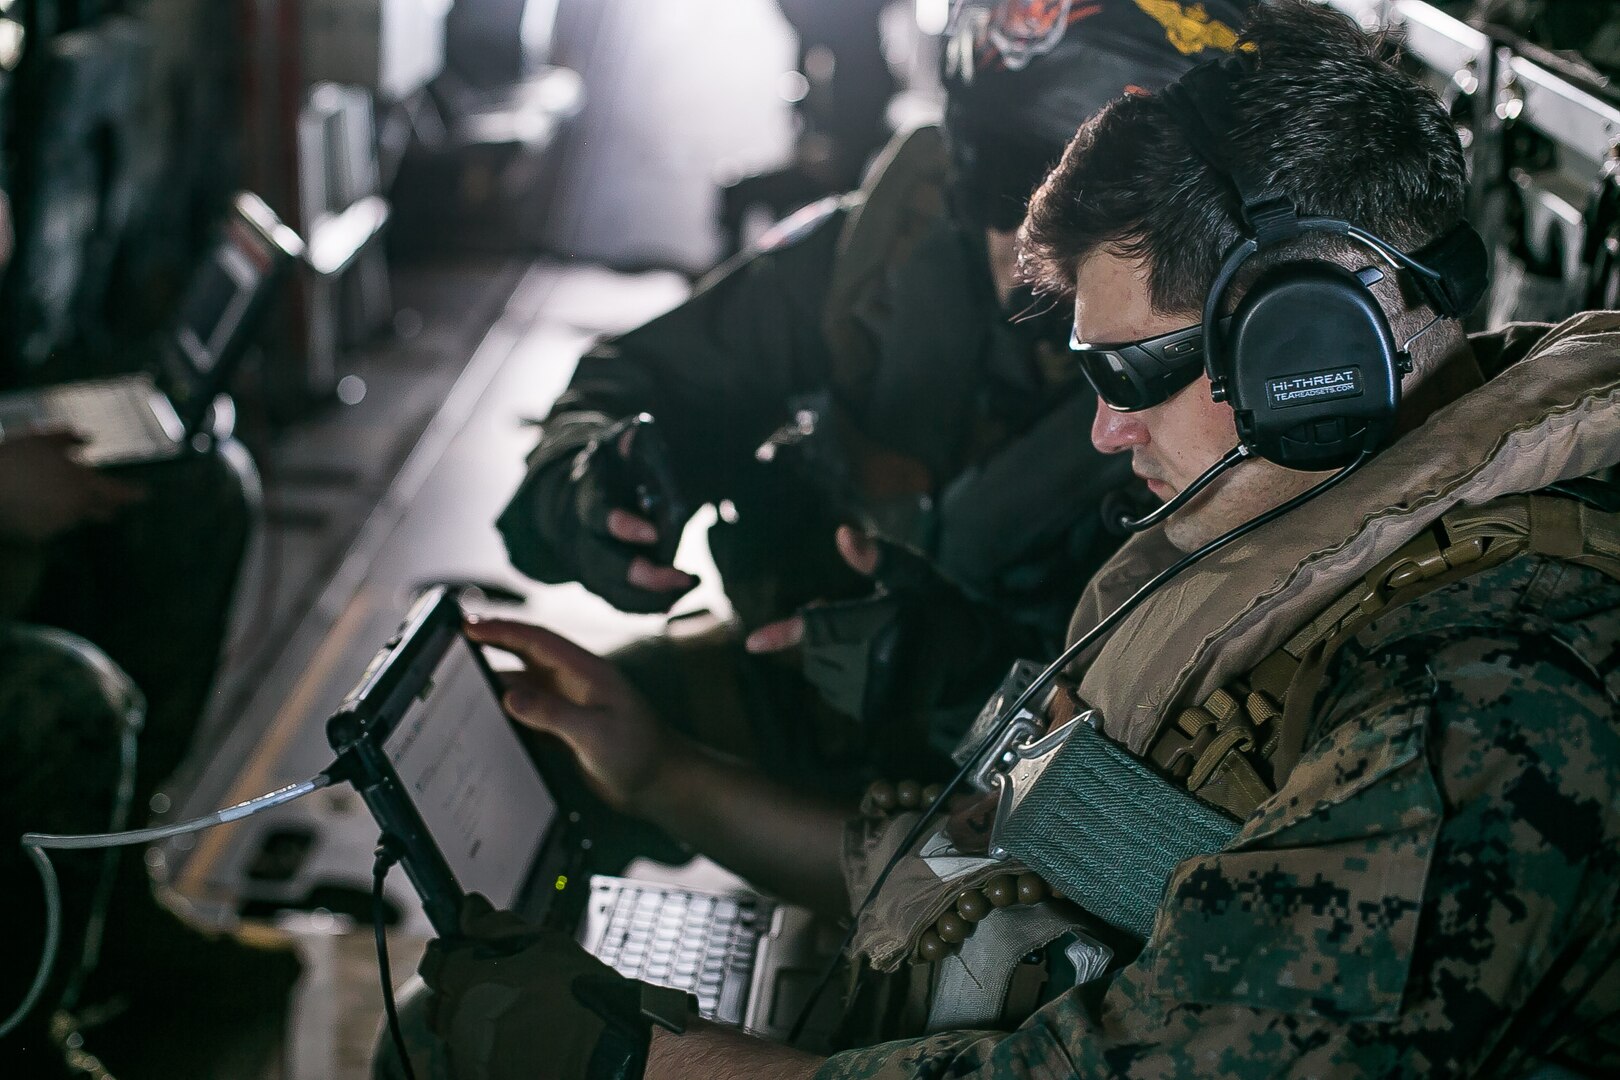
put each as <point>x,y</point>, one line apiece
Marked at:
<point>1434,889</point>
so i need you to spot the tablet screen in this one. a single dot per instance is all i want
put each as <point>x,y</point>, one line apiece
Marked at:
<point>471,779</point>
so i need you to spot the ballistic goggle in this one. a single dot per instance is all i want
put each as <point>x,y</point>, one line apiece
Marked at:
<point>1136,375</point>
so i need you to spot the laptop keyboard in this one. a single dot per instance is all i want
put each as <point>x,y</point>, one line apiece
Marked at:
<point>702,943</point>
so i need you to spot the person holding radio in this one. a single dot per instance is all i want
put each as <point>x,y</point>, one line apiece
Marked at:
<point>1338,791</point>
<point>875,367</point>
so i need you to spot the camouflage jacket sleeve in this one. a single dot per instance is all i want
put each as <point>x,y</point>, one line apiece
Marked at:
<point>1433,891</point>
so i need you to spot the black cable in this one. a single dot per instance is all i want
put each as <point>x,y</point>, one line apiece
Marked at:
<point>1147,521</point>
<point>387,856</point>
<point>1004,721</point>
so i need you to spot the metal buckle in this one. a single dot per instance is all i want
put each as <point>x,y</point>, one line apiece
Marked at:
<point>1029,761</point>
<point>1024,730</point>
<point>1199,742</point>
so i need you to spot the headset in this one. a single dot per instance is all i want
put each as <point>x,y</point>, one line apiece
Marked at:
<point>1308,361</point>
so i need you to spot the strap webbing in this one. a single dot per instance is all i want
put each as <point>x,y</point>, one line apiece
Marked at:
<point>1262,718</point>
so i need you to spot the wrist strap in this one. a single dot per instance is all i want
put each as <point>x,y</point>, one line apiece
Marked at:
<point>670,1009</point>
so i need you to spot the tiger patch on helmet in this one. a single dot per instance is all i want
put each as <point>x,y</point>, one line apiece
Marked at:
<point>1014,33</point>
<point>1017,31</point>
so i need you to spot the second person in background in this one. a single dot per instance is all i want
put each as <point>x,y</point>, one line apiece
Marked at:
<point>923,409</point>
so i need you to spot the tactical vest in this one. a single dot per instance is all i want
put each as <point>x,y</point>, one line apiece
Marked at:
<point>898,206</point>
<point>877,337</point>
<point>1235,747</point>
<point>1233,751</point>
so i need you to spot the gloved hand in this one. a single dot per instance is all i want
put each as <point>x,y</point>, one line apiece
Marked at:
<point>916,644</point>
<point>571,520</point>
<point>911,661</point>
<point>514,1002</point>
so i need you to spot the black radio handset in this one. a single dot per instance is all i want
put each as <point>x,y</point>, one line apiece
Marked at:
<point>641,457</point>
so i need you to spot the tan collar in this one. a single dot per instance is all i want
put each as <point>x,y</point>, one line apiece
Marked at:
<point>1554,415</point>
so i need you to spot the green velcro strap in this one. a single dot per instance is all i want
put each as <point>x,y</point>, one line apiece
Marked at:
<point>1106,831</point>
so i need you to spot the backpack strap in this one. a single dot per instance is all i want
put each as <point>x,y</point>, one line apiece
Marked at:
<point>1232,748</point>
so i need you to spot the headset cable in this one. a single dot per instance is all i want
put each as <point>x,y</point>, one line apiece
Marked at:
<point>1056,668</point>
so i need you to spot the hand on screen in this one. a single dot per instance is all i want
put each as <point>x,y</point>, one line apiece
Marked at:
<point>566,691</point>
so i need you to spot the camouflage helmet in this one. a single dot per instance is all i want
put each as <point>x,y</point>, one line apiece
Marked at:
<point>1023,75</point>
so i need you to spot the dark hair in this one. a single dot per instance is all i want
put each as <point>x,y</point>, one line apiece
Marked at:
<point>1321,117</point>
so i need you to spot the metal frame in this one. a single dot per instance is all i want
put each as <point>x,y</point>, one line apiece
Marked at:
<point>1533,213</point>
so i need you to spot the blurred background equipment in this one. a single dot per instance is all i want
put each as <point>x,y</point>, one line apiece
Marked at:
<point>475,168</point>
<point>86,169</point>
<point>840,88</point>
<point>341,205</point>
<point>1533,86</point>
<point>484,187</point>
<point>1559,109</point>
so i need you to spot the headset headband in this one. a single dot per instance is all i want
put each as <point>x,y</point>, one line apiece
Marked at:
<point>1450,270</point>
<point>1309,361</point>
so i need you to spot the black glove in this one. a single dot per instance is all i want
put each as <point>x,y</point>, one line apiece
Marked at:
<point>912,661</point>
<point>555,527</point>
<point>513,1002</point>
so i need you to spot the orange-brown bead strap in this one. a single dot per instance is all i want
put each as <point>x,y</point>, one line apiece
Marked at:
<point>951,929</point>
<point>972,906</point>
<point>886,797</point>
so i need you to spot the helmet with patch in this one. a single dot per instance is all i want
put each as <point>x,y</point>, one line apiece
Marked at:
<point>1023,75</point>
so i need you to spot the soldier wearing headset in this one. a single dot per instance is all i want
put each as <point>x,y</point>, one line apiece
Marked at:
<point>1365,741</point>
<point>881,354</point>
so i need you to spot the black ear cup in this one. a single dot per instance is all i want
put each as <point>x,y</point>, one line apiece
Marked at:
<point>1309,364</point>
<point>1313,368</point>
